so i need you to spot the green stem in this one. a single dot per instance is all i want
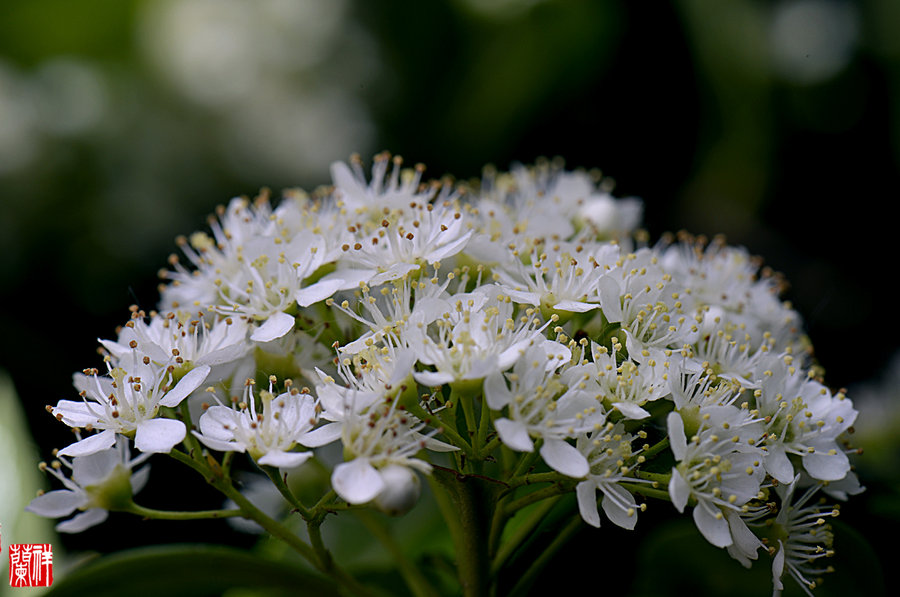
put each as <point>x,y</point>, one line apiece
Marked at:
<point>180,515</point>
<point>644,490</point>
<point>272,526</point>
<point>467,403</point>
<point>190,441</point>
<point>489,447</point>
<point>314,529</point>
<point>521,534</point>
<point>527,460</point>
<point>657,478</point>
<point>227,459</point>
<point>534,497</point>
<point>324,505</point>
<point>447,430</point>
<point>656,448</point>
<point>484,425</point>
<point>498,523</point>
<point>414,578</point>
<point>192,461</point>
<point>530,479</point>
<point>275,475</point>
<point>466,503</point>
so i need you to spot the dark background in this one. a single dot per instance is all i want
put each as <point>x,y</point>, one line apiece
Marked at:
<point>123,123</point>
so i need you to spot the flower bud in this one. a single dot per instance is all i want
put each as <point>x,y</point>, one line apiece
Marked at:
<point>401,492</point>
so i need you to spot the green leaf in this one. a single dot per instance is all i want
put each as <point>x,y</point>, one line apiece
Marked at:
<point>188,571</point>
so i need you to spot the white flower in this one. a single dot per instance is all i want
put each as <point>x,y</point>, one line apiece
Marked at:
<point>406,302</point>
<point>653,311</point>
<point>562,277</point>
<point>718,466</point>
<point>720,353</point>
<point>726,281</point>
<point>609,454</point>
<point>391,191</point>
<point>804,419</point>
<point>213,257</point>
<point>802,536</point>
<point>527,203</point>
<point>268,431</point>
<point>542,404</point>
<point>128,402</point>
<point>610,218</point>
<point>475,337</point>
<point>181,340</point>
<point>99,482</point>
<point>375,441</point>
<point>405,239</point>
<point>259,265</point>
<point>627,386</point>
<point>376,435</point>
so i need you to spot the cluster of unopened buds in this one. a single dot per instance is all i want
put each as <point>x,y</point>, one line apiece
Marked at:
<point>519,329</point>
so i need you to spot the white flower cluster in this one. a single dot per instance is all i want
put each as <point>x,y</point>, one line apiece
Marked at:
<point>517,316</point>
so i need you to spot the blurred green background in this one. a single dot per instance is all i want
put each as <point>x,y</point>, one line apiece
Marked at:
<point>124,122</point>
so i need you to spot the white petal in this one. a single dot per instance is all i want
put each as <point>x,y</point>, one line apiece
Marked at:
<point>565,458</point>
<point>117,350</point>
<point>514,435</point>
<point>77,414</point>
<point>398,270</point>
<point>610,298</point>
<point>345,180</point>
<point>95,468</point>
<point>450,248</point>
<point>90,445</point>
<point>185,386</point>
<point>575,306</point>
<point>321,436</point>
<point>778,464</point>
<point>843,489</point>
<point>557,354</point>
<point>275,327</point>
<point>522,296</point>
<point>616,512</point>
<point>631,410</point>
<point>356,481</point>
<point>220,444</point>
<point>508,357</point>
<point>224,355</point>
<point>495,391</point>
<point>60,502</point>
<point>586,492</point>
<point>319,291</point>
<point>679,490</point>
<point>827,467</point>
<point>351,278</point>
<point>83,521</point>
<point>283,459</point>
<point>677,439</point>
<point>715,529</point>
<point>218,422</point>
<point>433,378</point>
<point>744,539</point>
<point>159,435</point>
<point>778,567</point>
